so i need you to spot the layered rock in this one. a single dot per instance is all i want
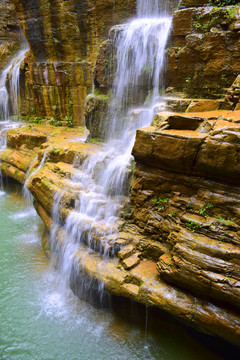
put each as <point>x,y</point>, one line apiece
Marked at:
<point>185,195</point>
<point>232,98</point>
<point>178,247</point>
<point>64,37</point>
<point>203,56</point>
<point>10,32</point>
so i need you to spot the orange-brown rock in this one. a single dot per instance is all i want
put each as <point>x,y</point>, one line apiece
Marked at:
<point>10,32</point>
<point>64,38</point>
<point>180,246</point>
<point>203,58</point>
<point>186,197</point>
<point>185,144</point>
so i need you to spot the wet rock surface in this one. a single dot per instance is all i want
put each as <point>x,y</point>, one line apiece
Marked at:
<point>177,247</point>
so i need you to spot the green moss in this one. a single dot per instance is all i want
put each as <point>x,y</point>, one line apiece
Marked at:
<point>217,18</point>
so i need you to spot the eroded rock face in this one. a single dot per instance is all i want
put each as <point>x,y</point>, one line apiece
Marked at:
<point>97,115</point>
<point>9,32</point>
<point>64,38</point>
<point>186,197</point>
<point>202,57</point>
<point>232,98</point>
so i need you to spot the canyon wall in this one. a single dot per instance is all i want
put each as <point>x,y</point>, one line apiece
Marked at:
<point>203,56</point>
<point>10,32</point>
<point>64,38</point>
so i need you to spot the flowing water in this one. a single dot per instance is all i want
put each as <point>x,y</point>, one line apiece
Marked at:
<point>103,177</point>
<point>42,321</point>
<point>11,72</point>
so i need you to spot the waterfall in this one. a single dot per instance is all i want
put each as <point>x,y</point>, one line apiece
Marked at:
<point>148,8</point>
<point>11,72</point>
<point>103,176</point>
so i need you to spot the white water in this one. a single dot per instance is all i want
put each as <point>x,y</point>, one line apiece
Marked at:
<point>148,8</point>
<point>10,72</point>
<point>103,176</point>
<point>26,193</point>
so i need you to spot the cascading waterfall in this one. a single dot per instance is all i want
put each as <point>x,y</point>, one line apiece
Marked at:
<point>103,176</point>
<point>10,72</point>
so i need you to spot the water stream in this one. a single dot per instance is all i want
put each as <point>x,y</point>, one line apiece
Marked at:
<point>103,176</point>
<point>11,72</point>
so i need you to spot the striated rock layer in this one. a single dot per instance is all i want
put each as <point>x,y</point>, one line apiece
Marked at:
<point>64,38</point>
<point>10,32</point>
<point>203,56</point>
<point>178,242</point>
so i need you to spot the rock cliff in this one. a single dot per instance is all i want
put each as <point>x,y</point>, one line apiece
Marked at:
<point>10,32</point>
<point>64,38</point>
<point>203,56</point>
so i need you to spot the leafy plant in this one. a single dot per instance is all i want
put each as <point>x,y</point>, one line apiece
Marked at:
<point>54,122</point>
<point>193,225</point>
<point>203,209</point>
<point>69,121</point>
<point>225,221</point>
<point>173,214</point>
<point>38,120</point>
<point>162,203</point>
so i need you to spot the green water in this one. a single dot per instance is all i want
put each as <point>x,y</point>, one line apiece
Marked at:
<point>40,320</point>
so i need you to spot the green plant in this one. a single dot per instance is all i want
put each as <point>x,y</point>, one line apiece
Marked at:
<point>54,122</point>
<point>133,166</point>
<point>96,92</point>
<point>227,222</point>
<point>162,203</point>
<point>157,201</point>
<point>94,140</point>
<point>69,121</point>
<point>173,214</point>
<point>55,132</point>
<point>38,120</point>
<point>193,225</point>
<point>77,59</point>
<point>45,4</point>
<point>203,209</point>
